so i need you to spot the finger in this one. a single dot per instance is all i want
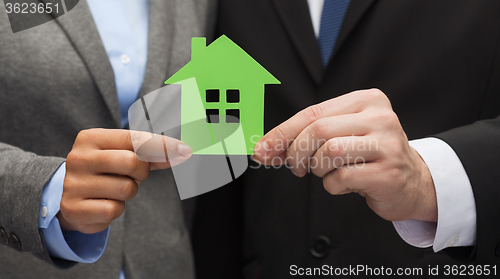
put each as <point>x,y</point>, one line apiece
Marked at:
<point>145,144</point>
<point>360,178</point>
<point>286,132</point>
<point>104,186</point>
<point>318,133</point>
<point>106,138</point>
<point>160,149</point>
<point>122,162</point>
<point>278,160</point>
<point>104,211</point>
<point>338,152</point>
<point>91,212</point>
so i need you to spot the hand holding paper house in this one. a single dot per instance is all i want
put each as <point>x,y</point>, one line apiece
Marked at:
<point>228,92</point>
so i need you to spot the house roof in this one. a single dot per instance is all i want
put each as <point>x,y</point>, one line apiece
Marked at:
<point>222,61</point>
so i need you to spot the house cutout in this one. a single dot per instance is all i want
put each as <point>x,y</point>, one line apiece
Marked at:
<point>222,98</point>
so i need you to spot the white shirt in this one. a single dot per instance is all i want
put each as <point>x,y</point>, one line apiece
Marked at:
<point>456,224</point>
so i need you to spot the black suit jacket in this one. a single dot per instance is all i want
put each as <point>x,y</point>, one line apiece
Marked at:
<point>439,64</point>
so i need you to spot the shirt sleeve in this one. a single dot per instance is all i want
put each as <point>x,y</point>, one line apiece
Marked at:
<point>456,224</point>
<point>68,245</point>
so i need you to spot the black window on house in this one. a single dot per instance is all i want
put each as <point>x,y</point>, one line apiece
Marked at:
<point>213,96</point>
<point>212,115</point>
<point>233,96</point>
<point>232,116</point>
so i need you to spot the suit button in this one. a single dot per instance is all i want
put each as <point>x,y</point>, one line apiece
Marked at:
<point>321,246</point>
<point>3,237</point>
<point>14,242</point>
<point>497,251</point>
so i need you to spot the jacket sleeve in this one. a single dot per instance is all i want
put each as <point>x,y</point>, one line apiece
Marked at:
<point>478,147</point>
<point>23,176</point>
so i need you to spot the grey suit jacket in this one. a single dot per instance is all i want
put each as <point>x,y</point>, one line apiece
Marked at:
<point>55,80</point>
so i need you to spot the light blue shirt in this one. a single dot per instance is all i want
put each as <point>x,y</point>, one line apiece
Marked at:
<point>123,28</point>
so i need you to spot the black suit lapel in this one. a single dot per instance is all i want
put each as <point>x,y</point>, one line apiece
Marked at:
<point>297,22</point>
<point>356,10</point>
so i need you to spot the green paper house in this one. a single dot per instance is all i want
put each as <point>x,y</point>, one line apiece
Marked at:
<point>222,98</point>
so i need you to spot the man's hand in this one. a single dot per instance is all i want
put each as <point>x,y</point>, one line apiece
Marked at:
<point>356,144</point>
<point>103,171</point>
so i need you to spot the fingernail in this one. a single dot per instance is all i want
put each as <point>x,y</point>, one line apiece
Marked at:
<point>295,173</point>
<point>184,150</point>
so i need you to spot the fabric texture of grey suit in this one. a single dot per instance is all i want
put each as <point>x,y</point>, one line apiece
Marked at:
<point>56,80</point>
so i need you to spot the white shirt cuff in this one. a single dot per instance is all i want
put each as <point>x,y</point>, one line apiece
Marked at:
<point>456,224</point>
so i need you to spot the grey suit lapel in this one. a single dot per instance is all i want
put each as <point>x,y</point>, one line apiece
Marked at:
<point>162,20</point>
<point>80,28</point>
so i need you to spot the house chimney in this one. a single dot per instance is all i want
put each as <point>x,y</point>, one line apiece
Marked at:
<point>198,45</point>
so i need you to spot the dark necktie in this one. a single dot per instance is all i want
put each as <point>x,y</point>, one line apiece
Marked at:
<point>331,21</point>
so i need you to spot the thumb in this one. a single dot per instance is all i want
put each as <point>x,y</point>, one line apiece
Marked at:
<point>160,151</point>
